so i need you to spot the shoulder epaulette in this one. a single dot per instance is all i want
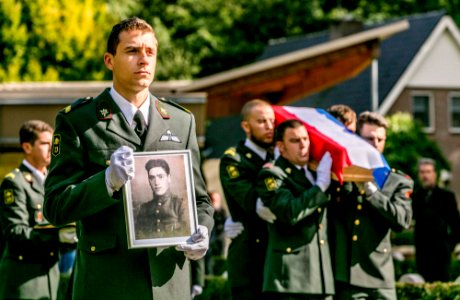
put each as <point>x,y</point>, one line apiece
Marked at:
<point>175,104</point>
<point>230,151</point>
<point>76,104</point>
<point>399,172</point>
<point>12,174</point>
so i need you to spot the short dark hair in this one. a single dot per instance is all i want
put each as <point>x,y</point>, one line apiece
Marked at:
<point>155,163</point>
<point>248,106</point>
<point>130,24</point>
<point>29,131</point>
<point>373,118</point>
<point>343,113</point>
<point>282,127</point>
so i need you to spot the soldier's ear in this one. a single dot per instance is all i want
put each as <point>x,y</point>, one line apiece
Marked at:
<point>245,127</point>
<point>27,148</point>
<point>108,60</point>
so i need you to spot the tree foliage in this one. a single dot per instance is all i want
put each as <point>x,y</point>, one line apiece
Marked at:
<point>65,39</point>
<point>407,143</point>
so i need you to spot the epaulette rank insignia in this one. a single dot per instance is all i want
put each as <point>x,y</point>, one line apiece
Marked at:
<point>230,151</point>
<point>56,144</point>
<point>77,103</point>
<point>8,196</point>
<point>175,104</point>
<point>232,172</point>
<point>270,184</point>
<point>10,175</point>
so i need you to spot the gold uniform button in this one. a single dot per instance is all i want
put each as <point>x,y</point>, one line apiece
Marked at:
<point>158,220</point>
<point>321,242</point>
<point>107,162</point>
<point>359,207</point>
<point>355,238</point>
<point>93,248</point>
<point>288,250</point>
<point>385,250</point>
<point>39,206</point>
<point>357,222</point>
<point>319,209</point>
<point>20,257</point>
<point>257,241</point>
<point>362,192</point>
<point>157,211</point>
<point>338,189</point>
<point>51,253</point>
<point>159,203</point>
<point>158,230</point>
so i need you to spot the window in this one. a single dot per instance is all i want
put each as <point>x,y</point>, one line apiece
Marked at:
<point>454,109</point>
<point>423,111</point>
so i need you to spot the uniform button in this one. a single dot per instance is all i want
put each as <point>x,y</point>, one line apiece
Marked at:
<point>159,203</point>
<point>359,207</point>
<point>51,253</point>
<point>157,211</point>
<point>362,192</point>
<point>20,257</point>
<point>321,242</point>
<point>107,162</point>
<point>39,206</point>
<point>158,230</point>
<point>257,241</point>
<point>355,238</point>
<point>93,248</point>
<point>288,250</point>
<point>158,220</point>
<point>357,222</point>
<point>338,189</point>
<point>319,209</point>
<point>385,250</point>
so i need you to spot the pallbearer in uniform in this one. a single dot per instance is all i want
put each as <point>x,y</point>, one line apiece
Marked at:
<point>298,264</point>
<point>361,219</point>
<point>92,159</point>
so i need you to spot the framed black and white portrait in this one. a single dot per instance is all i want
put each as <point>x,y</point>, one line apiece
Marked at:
<point>160,201</point>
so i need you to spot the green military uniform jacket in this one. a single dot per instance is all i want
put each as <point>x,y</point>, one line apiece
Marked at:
<point>298,258</point>
<point>246,254</point>
<point>360,230</point>
<point>28,267</point>
<point>86,135</point>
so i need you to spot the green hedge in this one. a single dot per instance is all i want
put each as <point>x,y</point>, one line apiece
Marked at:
<point>217,288</point>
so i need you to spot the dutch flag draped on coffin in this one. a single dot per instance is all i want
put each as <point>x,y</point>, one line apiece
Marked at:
<point>353,158</point>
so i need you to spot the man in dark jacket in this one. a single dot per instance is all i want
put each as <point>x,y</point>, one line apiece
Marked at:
<point>437,224</point>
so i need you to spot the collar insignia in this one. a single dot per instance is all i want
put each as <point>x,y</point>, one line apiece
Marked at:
<point>163,112</point>
<point>104,111</point>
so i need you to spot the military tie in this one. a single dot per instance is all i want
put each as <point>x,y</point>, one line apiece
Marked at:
<point>141,127</point>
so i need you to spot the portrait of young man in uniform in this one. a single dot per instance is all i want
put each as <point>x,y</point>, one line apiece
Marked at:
<point>166,214</point>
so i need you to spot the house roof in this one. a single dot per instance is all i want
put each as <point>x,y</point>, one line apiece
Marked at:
<point>396,55</point>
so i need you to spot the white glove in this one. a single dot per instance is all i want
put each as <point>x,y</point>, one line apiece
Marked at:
<point>121,168</point>
<point>370,188</point>
<point>196,290</point>
<point>323,172</point>
<point>197,245</point>
<point>68,235</point>
<point>264,212</point>
<point>232,229</point>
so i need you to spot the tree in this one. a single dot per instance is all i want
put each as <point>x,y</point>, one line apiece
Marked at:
<point>407,143</point>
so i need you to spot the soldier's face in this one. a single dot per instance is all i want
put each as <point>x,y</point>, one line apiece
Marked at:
<point>295,146</point>
<point>133,65</point>
<point>159,181</point>
<point>374,135</point>
<point>260,125</point>
<point>38,153</point>
<point>427,175</point>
